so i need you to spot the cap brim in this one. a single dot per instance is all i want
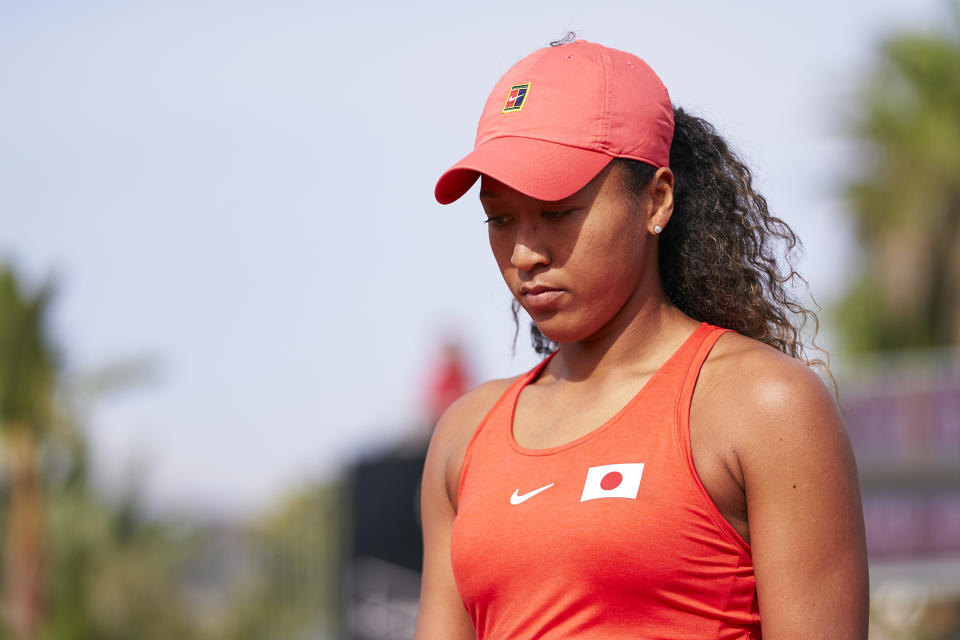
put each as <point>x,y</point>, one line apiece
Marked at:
<point>537,168</point>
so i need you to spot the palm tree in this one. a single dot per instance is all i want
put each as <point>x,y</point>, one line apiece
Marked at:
<point>27,383</point>
<point>906,203</point>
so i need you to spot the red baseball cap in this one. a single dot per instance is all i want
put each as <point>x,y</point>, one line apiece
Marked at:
<point>558,117</point>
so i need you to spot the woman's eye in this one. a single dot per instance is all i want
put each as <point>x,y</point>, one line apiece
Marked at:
<point>556,215</point>
<point>496,221</point>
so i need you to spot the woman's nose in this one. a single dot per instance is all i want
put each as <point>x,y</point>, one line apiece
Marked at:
<point>528,250</point>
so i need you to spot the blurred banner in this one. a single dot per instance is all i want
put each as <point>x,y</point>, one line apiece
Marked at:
<point>903,416</point>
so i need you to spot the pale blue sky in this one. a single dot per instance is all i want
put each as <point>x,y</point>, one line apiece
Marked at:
<point>243,192</point>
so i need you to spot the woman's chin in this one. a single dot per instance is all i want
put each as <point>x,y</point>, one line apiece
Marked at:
<point>559,334</point>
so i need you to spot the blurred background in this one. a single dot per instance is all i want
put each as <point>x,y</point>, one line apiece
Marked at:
<point>230,309</point>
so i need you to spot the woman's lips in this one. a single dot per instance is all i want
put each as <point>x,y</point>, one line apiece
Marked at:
<point>540,298</point>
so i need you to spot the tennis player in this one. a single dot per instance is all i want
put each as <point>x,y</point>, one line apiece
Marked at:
<point>673,468</point>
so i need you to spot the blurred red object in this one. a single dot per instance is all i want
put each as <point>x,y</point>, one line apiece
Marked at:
<point>448,380</point>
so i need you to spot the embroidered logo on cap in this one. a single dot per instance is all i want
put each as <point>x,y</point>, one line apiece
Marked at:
<point>518,94</point>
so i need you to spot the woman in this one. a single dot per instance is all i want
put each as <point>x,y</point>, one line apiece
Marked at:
<point>656,476</point>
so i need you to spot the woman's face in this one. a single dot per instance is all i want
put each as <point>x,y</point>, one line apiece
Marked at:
<point>579,265</point>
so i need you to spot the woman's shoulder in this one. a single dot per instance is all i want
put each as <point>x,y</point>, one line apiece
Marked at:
<point>749,365</point>
<point>757,389</point>
<point>463,416</point>
<point>456,427</point>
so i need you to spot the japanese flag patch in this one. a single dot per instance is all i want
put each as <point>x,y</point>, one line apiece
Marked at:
<point>516,97</point>
<point>613,481</point>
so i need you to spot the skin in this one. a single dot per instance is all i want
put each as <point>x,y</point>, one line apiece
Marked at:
<point>768,441</point>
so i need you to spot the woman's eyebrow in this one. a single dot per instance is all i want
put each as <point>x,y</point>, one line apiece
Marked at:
<point>489,194</point>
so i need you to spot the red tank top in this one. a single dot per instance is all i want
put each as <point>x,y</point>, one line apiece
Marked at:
<point>611,535</point>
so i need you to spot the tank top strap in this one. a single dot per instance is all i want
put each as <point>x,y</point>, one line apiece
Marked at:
<point>507,402</point>
<point>669,382</point>
<point>498,422</point>
<point>699,349</point>
<point>682,435</point>
<point>500,416</point>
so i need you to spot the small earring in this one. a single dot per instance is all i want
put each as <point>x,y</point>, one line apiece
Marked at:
<point>657,229</point>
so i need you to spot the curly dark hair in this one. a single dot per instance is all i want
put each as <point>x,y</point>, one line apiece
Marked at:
<point>718,256</point>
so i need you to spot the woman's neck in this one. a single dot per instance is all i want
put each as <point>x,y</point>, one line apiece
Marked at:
<point>638,343</point>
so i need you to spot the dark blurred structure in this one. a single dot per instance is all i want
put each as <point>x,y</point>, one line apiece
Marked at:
<point>385,513</point>
<point>384,554</point>
<point>381,576</point>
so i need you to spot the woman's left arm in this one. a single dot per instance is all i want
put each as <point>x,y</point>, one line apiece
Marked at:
<point>803,506</point>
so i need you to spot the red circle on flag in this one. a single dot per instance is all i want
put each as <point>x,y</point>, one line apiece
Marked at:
<point>611,481</point>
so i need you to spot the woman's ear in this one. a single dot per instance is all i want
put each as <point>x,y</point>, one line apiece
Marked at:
<point>660,191</point>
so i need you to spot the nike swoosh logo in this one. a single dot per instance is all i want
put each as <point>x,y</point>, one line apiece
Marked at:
<point>516,498</point>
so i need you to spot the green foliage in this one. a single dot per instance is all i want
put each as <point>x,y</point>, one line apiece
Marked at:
<point>112,573</point>
<point>27,367</point>
<point>906,202</point>
<point>293,591</point>
<point>27,381</point>
<point>113,576</point>
<point>107,574</point>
